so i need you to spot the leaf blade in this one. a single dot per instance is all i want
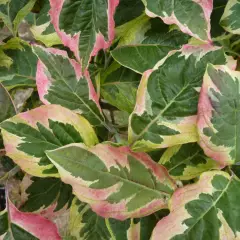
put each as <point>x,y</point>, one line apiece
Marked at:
<point>27,135</point>
<point>191,17</point>
<point>230,17</point>
<point>163,115</point>
<point>91,19</point>
<point>218,114</point>
<point>192,206</point>
<point>60,81</point>
<point>103,181</point>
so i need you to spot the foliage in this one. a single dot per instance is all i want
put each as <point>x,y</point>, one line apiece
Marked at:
<point>119,119</point>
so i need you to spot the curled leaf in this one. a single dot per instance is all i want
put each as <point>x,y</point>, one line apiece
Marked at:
<point>18,225</point>
<point>218,114</point>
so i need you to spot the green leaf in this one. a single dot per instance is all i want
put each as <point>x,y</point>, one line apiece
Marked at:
<point>187,161</point>
<point>140,58</point>
<point>3,222</point>
<point>218,114</point>
<point>16,225</point>
<point>60,81</point>
<point>6,104</point>
<point>4,1</point>
<point>13,43</point>
<point>207,209</point>
<point>127,10</point>
<point>133,32</point>
<point>218,9</point>
<point>14,11</point>
<point>173,38</point>
<point>166,107</point>
<point>44,192</point>
<point>28,135</point>
<point>120,88</point>
<point>231,17</point>
<point>22,71</point>
<point>192,17</point>
<point>84,26</point>
<point>115,182</point>
<point>5,61</point>
<point>20,97</point>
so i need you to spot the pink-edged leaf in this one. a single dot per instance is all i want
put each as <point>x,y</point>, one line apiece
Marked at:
<point>33,224</point>
<point>208,209</point>
<point>191,16</point>
<point>61,81</point>
<point>166,106</point>
<point>27,226</point>
<point>84,26</point>
<point>218,114</point>
<point>115,181</point>
<point>28,135</point>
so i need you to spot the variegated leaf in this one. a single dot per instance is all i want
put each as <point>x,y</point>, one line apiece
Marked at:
<point>39,194</point>
<point>14,11</point>
<point>231,17</point>
<point>84,26</point>
<point>28,135</point>
<point>140,58</point>
<point>191,16</point>
<point>187,161</point>
<point>42,28</point>
<point>218,114</point>
<point>16,225</point>
<point>87,225</point>
<point>207,209</point>
<point>166,107</point>
<point>7,108</point>
<point>115,182</point>
<point>23,70</point>
<point>60,81</point>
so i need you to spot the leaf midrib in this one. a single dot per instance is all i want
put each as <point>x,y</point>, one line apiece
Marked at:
<point>213,205</point>
<point>160,114</point>
<point>63,79</point>
<point>184,160</point>
<point>160,193</point>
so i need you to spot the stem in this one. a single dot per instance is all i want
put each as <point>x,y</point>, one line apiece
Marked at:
<point>224,37</point>
<point>107,60</point>
<point>235,43</point>
<point>232,52</point>
<point>109,229</point>
<point>9,174</point>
